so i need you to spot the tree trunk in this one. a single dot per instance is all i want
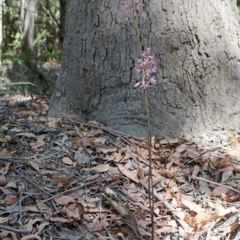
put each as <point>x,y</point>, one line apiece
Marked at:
<point>1,29</point>
<point>28,34</point>
<point>63,6</point>
<point>196,44</point>
<point>22,14</point>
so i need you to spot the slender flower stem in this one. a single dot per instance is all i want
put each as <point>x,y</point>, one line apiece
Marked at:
<point>150,180</point>
<point>135,22</point>
<point>147,66</point>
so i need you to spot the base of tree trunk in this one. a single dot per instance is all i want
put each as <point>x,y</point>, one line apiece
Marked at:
<point>196,45</point>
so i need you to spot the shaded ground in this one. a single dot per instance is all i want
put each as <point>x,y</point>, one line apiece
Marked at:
<point>16,76</point>
<point>64,179</point>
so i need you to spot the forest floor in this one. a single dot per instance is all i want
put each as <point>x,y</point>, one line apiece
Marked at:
<point>64,179</point>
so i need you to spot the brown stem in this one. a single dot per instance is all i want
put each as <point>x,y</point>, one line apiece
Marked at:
<point>150,178</point>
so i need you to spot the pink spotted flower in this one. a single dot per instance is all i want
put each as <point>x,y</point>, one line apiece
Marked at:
<point>130,7</point>
<point>146,68</point>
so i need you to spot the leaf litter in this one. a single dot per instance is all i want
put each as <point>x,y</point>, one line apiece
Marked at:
<point>61,178</point>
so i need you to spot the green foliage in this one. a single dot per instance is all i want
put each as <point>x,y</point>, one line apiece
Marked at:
<point>46,44</point>
<point>46,35</point>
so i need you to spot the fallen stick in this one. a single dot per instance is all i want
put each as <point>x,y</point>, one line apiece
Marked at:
<point>11,229</point>
<point>69,190</point>
<point>218,184</point>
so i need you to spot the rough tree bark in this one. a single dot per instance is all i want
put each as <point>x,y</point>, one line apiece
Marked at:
<point>28,34</point>
<point>1,29</point>
<point>197,47</point>
<point>63,6</point>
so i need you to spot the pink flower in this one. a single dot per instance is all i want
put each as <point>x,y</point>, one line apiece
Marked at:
<point>146,66</point>
<point>130,8</point>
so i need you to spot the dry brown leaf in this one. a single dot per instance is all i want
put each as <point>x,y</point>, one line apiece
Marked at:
<point>35,166</point>
<point>230,229</point>
<point>181,148</point>
<point>221,163</point>
<point>26,134</point>
<point>3,219</point>
<point>30,118</point>
<point>168,194</point>
<point>10,139</point>
<point>169,141</point>
<point>100,236</point>
<point>116,206</point>
<point>79,155</point>
<point>99,141</point>
<point>110,192</point>
<point>124,230</point>
<point>175,158</point>
<point>40,105</point>
<point>79,132</point>
<point>31,236</point>
<point>93,177</point>
<point>84,141</point>
<point>96,226</point>
<point>221,211</point>
<point>164,229</point>
<point>60,219</point>
<point>42,226</point>
<point>93,132</point>
<point>5,153</point>
<point>230,197</point>
<point>43,208</point>
<point>234,152</point>
<point>115,178</point>
<point>202,218</point>
<point>141,173</point>
<point>99,168</point>
<point>9,185</point>
<point>191,205</point>
<point>106,149</point>
<point>67,161</point>
<point>32,208</point>
<point>191,221</point>
<point>5,170</point>
<point>3,234</point>
<point>192,154</point>
<point>130,175</point>
<point>55,122</point>
<point>63,200</point>
<point>196,170</point>
<point>206,166</point>
<point>73,211</point>
<point>38,143</point>
<point>13,236</point>
<point>142,151</point>
<point>226,175</point>
<point>10,199</point>
<point>229,168</point>
<point>220,190</point>
<point>62,178</point>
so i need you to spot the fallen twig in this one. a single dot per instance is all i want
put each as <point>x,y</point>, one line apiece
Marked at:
<point>11,229</point>
<point>123,136</point>
<point>219,184</point>
<point>69,190</point>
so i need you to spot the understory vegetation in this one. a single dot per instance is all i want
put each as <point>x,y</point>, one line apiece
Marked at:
<point>34,70</point>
